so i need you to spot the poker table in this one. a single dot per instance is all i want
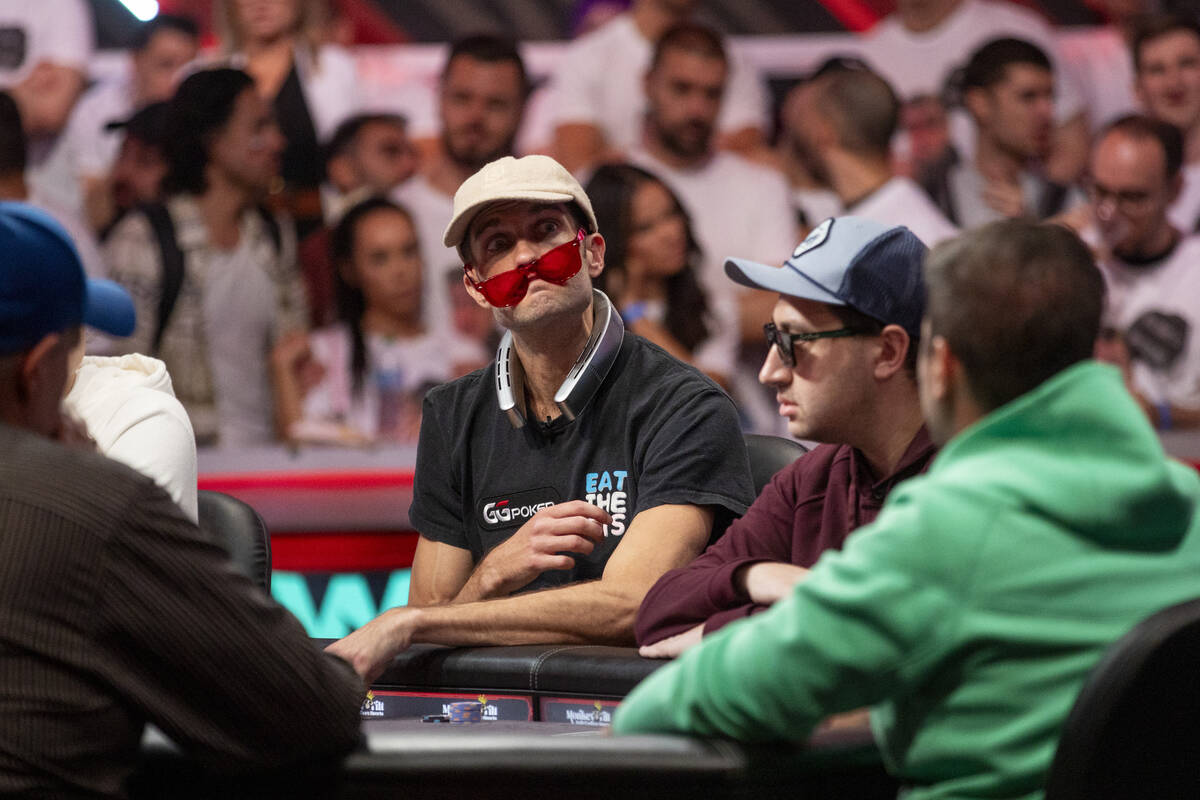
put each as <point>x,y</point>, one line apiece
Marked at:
<point>543,728</point>
<point>413,759</point>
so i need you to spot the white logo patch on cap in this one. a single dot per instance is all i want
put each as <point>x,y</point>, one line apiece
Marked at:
<point>815,238</point>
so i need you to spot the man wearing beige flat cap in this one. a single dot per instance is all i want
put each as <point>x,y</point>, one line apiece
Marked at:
<point>556,485</point>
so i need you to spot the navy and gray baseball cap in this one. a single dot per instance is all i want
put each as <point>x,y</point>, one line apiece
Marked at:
<point>42,285</point>
<point>850,261</point>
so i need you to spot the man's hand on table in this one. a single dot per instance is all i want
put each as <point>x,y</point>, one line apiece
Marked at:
<point>767,582</point>
<point>673,646</point>
<point>541,544</point>
<point>372,647</point>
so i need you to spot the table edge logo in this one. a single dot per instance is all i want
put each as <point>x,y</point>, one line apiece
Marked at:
<point>371,707</point>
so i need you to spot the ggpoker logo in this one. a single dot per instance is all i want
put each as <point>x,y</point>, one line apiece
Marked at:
<point>512,510</point>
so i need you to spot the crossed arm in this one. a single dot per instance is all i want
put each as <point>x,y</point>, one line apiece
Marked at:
<point>454,604</point>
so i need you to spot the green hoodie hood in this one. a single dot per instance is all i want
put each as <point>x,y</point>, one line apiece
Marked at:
<point>1078,450</point>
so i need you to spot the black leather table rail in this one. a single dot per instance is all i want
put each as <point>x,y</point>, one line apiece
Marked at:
<point>412,759</point>
<point>561,683</point>
<point>592,670</point>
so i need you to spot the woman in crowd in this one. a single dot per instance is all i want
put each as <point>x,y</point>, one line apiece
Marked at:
<point>362,380</point>
<point>312,86</point>
<point>651,270</point>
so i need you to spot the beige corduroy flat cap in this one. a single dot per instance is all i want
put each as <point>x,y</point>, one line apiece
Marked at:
<point>539,179</point>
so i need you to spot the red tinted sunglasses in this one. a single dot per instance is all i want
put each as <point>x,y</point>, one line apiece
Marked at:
<point>557,265</point>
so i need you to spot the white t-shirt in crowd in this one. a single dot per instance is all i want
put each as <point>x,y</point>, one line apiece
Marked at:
<point>737,208</point>
<point>817,205</point>
<point>599,82</point>
<point>901,201</point>
<point>239,303</point>
<point>131,412</point>
<point>431,211</point>
<point>33,31</point>
<point>84,148</point>
<point>81,235</point>
<point>1184,213</point>
<point>397,375</point>
<point>921,63</point>
<point>93,148</point>
<point>1101,66</point>
<point>1156,307</point>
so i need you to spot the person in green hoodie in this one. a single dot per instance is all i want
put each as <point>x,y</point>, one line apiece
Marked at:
<point>969,614</point>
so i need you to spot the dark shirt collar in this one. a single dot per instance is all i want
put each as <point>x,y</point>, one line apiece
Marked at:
<point>915,460</point>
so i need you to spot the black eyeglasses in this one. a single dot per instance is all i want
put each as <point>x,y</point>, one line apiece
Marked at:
<point>785,343</point>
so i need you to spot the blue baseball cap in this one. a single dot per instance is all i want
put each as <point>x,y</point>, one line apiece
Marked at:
<point>43,288</point>
<point>850,261</point>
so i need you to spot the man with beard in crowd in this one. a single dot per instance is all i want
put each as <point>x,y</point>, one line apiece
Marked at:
<point>483,91</point>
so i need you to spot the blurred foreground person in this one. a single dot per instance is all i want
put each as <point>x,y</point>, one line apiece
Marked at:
<point>118,611</point>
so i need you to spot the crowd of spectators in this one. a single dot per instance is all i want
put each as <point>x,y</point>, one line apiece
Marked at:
<point>212,184</point>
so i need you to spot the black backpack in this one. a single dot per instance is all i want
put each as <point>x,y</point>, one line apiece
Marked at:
<point>172,258</point>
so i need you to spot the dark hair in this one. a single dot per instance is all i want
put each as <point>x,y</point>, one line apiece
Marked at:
<point>202,105</point>
<point>690,38</point>
<point>351,302</point>
<point>1017,302</point>
<point>345,134</point>
<point>862,106</point>
<point>13,146</point>
<point>988,65</point>
<point>1167,136</point>
<point>148,125</point>
<point>490,50</point>
<point>1149,28</point>
<point>175,23</point>
<point>611,191</point>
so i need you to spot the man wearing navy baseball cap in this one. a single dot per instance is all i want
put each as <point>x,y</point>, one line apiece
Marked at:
<point>117,610</point>
<point>841,357</point>
<point>44,299</point>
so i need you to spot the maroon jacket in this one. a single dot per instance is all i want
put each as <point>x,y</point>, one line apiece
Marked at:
<point>807,508</point>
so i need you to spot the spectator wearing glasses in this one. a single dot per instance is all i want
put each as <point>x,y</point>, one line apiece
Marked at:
<point>841,356</point>
<point>1153,303</point>
<point>585,461</point>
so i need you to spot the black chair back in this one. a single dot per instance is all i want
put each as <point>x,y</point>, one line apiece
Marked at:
<point>1134,731</point>
<point>243,533</point>
<point>768,455</point>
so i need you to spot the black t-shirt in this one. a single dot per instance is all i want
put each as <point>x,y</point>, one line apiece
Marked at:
<point>656,432</point>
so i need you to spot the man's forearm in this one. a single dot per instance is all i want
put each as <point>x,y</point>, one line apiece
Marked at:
<point>592,612</point>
